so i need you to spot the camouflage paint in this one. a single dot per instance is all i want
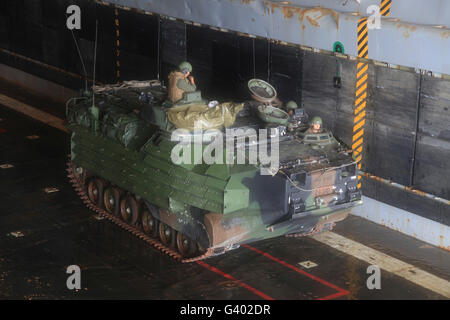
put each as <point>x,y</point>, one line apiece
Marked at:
<point>221,206</point>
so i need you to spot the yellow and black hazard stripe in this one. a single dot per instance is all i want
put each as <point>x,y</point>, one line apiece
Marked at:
<point>116,24</point>
<point>362,74</point>
<point>363,38</point>
<point>361,93</point>
<point>385,8</point>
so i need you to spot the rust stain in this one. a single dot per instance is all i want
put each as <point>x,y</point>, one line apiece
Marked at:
<point>219,235</point>
<point>313,22</point>
<point>244,1</point>
<point>312,14</point>
<point>287,12</point>
<point>408,29</point>
<point>445,34</point>
<point>272,6</point>
<point>353,279</point>
<point>315,14</point>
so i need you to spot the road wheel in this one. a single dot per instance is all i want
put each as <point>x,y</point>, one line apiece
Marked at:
<point>79,173</point>
<point>186,247</point>
<point>95,191</point>
<point>149,223</point>
<point>129,210</point>
<point>111,199</point>
<point>167,235</point>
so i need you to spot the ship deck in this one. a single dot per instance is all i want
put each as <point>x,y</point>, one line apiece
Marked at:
<point>44,228</point>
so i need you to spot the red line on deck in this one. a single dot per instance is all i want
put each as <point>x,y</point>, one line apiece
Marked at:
<point>340,291</point>
<point>241,283</point>
<point>334,295</point>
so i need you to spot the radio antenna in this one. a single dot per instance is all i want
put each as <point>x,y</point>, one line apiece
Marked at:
<point>95,60</point>
<point>82,61</point>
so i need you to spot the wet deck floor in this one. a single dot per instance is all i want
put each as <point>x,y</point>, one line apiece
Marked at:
<point>56,230</point>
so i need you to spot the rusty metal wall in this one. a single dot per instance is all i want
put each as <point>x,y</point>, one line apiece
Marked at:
<point>172,46</point>
<point>413,223</point>
<point>425,12</point>
<point>222,62</point>
<point>432,165</point>
<point>36,29</point>
<point>391,118</point>
<point>138,45</point>
<point>420,41</point>
<point>407,135</point>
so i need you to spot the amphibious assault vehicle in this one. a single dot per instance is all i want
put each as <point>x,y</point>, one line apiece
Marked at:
<point>123,166</point>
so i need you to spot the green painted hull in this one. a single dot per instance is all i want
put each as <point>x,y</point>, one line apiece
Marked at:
<point>220,206</point>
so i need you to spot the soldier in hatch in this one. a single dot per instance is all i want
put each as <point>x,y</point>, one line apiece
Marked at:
<point>316,125</point>
<point>290,108</point>
<point>181,81</point>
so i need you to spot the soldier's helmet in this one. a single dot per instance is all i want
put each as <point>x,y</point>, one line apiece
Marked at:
<point>316,120</point>
<point>291,105</point>
<point>185,67</point>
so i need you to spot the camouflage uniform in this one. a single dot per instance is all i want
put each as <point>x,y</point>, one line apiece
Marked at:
<point>178,84</point>
<point>290,107</point>
<point>315,120</point>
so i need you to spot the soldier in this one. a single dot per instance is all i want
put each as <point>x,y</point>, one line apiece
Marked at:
<point>181,81</point>
<point>316,125</point>
<point>290,108</point>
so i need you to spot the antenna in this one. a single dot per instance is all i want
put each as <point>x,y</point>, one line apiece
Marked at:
<point>95,60</point>
<point>82,61</point>
<point>94,109</point>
